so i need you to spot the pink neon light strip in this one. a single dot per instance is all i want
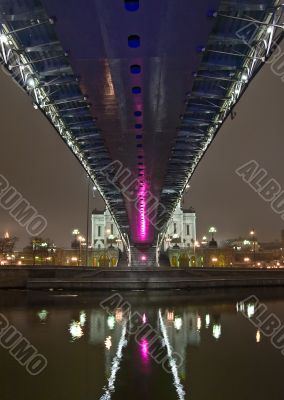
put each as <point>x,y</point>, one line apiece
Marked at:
<point>142,214</point>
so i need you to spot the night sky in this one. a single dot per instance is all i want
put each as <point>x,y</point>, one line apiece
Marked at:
<point>39,165</point>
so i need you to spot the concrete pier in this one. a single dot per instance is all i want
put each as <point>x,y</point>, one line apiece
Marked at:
<point>82,278</point>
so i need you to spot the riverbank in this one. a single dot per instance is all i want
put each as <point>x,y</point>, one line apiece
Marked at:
<point>83,278</point>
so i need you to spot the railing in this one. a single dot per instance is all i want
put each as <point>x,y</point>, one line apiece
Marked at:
<point>128,248</point>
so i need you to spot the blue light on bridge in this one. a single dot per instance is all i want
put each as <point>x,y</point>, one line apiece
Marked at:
<point>134,41</point>
<point>136,90</point>
<point>131,5</point>
<point>135,69</point>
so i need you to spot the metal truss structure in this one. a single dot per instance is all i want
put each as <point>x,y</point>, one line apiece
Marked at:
<point>244,37</point>
<point>31,53</point>
<point>245,34</point>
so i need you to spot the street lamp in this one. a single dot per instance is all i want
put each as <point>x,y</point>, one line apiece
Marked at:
<point>111,239</point>
<point>252,234</point>
<point>94,189</point>
<point>214,260</point>
<point>212,230</point>
<point>195,244</point>
<point>82,240</point>
<point>118,241</point>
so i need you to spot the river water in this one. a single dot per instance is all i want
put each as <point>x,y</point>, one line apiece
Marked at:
<point>167,345</point>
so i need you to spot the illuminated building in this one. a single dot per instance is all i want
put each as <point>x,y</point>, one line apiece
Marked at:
<point>104,230</point>
<point>182,228</point>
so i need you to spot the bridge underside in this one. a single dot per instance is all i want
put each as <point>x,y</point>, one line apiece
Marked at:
<point>138,89</point>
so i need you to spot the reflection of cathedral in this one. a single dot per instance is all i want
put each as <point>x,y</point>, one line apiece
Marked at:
<point>182,330</point>
<point>176,330</point>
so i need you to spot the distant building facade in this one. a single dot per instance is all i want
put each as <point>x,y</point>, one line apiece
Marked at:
<point>181,229</point>
<point>104,231</point>
<point>241,244</point>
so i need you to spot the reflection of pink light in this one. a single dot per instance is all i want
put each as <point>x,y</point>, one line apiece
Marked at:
<point>144,349</point>
<point>143,258</point>
<point>144,319</point>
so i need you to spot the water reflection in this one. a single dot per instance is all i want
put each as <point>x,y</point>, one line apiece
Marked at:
<point>108,342</point>
<point>207,320</point>
<point>216,331</point>
<point>144,350</point>
<point>195,342</point>
<point>75,330</point>
<point>115,363</point>
<point>177,328</point>
<point>177,331</point>
<point>246,308</point>
<point>172,361</point>
<point>82,318</point>
<point>43,314</point>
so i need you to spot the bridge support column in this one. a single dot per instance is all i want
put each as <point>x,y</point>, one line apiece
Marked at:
<point>142,256</point>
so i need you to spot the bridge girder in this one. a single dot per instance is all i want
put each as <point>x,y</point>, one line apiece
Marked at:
<point>242,38</point>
